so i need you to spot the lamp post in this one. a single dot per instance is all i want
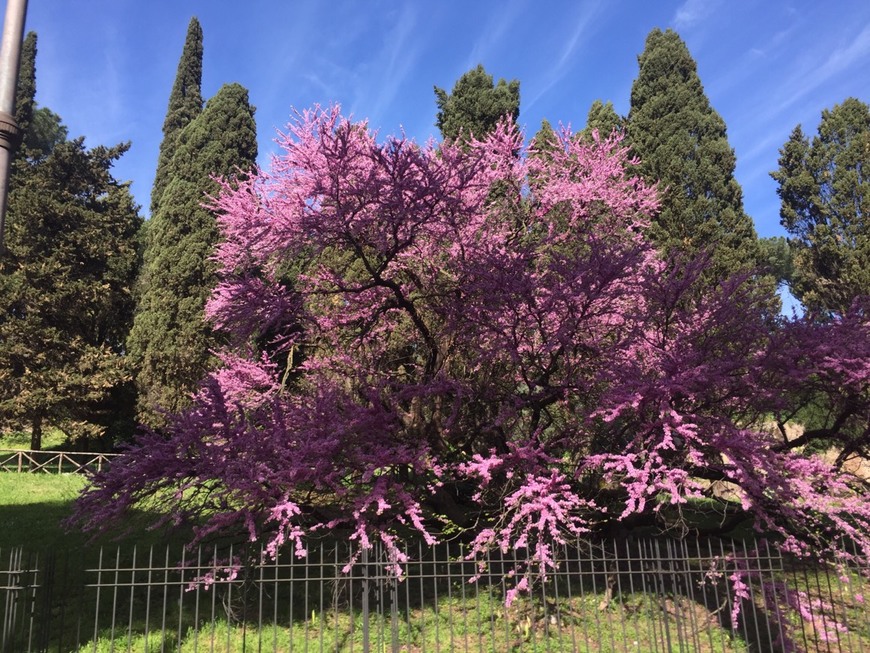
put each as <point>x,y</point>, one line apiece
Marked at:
<point>10,57</point>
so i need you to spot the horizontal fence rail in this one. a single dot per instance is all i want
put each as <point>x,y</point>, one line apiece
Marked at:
<point>52,462</point>
<point>655,595</point>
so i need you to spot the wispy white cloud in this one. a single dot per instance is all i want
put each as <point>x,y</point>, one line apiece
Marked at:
<point>402,47</point>
<point>582,23</point>
<point>493,33</point>
<point>692,12</point>
<point>855,52</point>
<point>811,75</point>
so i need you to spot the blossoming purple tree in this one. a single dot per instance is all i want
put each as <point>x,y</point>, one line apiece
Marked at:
<point>481,336</point>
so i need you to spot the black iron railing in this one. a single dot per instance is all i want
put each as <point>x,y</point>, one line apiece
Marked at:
<point>629,595</point>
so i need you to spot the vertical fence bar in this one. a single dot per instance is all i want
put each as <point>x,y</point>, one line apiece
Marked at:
<point>366,644</point>
<point>798,600</point>
<point>292,620</point>
<point>449,596</point>
<point>132,601</point>
<point>407,583</point>
<point>214,590</point>
<point>860,574</point>
<point>320,577</point>
<point>423,578</point>
<point>686,557</point>
<point>196,588</point>
<point>99,584</point>
<point>435,611</point>
<point>148,585</point>
<point>336,597</point>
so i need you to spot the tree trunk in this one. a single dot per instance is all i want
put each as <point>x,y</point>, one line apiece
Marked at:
<point>36,434</point>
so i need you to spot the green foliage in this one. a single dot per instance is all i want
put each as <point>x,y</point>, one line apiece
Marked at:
<point>25,96</point>
<point>42,129</point>
<point>170,340</point>
<point>46,131</point>
<point>776,259</point>
<point>603,117</point>
<point>825,193</point>
<point>185,104</point>
<point>476,105</point>
<point>65,302</point>
<point>682,144</point>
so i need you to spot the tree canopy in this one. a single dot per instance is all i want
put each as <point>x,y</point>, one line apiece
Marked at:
<point>65,279</point>
<point>409,352</point>
<point>170,342</point>
<point>825,193</point>
<point>476,105</point>
<point>65,283</point>
<point>603,117</point>
<point>185,104</point>
<point>683,145</point>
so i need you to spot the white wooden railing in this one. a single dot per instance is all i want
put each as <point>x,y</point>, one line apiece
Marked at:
<point>52,462</point>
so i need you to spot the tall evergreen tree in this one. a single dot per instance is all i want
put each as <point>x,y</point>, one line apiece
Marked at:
<point>65,300</point>
<point>476,105</point>
<point>25,96</point>
<point>170,341</point>
<point>682,143</point>
<point>185,104</point>
<point>603,117</point>
<point>825,193</point>
<point>42,129</point>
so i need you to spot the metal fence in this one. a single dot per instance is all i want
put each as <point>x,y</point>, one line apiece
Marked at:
<point>52,462</point>
<point>655,595</point>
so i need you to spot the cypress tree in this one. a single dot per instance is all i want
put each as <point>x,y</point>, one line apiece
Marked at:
<point>42,129</point>
<point>476,105</point>
<point>185,104</point>
<point>25,95</point>
<point>682,143</point>
<point>170,340</point>
<point>825,193</point>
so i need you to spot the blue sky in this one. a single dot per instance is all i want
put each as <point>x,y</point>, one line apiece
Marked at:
<point>107,66</point>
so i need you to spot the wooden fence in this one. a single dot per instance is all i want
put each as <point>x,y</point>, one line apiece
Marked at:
<point>52,462</point>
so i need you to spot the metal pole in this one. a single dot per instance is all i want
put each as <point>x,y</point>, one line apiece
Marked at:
<point>10,57</point>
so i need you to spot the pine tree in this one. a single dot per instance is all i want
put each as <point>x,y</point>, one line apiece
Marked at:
<point>185,104</point>
<point>476,105</point>
<point>825,193</point>
<point>682,144</point>
<point>170,341</point>
<point>65,284</point>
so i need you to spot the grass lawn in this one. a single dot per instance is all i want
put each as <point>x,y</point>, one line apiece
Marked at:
<point>51,440</point>
<point>32,507</point>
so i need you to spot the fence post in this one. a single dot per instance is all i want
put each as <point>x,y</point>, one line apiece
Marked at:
<point>365,600</point>
<point>394,609</point>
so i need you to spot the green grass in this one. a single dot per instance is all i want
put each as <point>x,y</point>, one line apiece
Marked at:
<point>479,624</point>
<point>32,507</point>
<point>52,439</point>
